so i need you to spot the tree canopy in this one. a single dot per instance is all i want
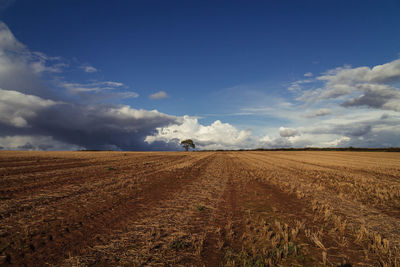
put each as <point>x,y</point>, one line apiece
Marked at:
<point>187,144</point>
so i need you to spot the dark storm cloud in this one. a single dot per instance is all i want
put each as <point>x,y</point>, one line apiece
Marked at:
<point>91,127</point>
<point>36,115</point>
<point>102,127</point>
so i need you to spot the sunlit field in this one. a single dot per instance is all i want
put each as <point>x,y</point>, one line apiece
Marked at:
<point>200,208</point>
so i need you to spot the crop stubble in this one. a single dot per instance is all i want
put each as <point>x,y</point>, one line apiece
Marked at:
<point>208,208</point>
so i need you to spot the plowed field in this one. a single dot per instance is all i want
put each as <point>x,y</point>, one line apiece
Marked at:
<point>200,209</point>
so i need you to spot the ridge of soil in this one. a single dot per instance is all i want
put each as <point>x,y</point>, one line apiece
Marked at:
<point>199,209</point>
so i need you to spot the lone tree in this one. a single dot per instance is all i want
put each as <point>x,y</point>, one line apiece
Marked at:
<point>188,143</point>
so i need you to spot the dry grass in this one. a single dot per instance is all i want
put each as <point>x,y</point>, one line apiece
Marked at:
<point>233,209</point>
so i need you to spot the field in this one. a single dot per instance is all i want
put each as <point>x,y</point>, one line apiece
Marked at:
<point>200,208</point>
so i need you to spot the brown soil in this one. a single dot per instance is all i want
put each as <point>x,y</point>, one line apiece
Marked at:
<point>199,209</point>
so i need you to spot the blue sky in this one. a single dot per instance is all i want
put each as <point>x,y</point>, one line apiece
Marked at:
<point>228,74</point>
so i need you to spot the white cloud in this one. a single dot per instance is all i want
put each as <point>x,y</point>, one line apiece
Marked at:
<point>113,84</point>
<point>374,130</point>
<point>308,74</point>
<point>388,72</point>
<point>384,73</point>
<point>159,95</point>
<point>287,132</point>
<point>88,126</point>
<point>323,112</point>
<point>8,40</point>
<point>14,54</point>
<point>265,139</point>
<point>90,87</point>
<point>98,90</point>
<point>126,112</point>
<point>373,121</point>
<point>217,135</point>
<point>128,95</point>
<point>88,68</point>
<point>17,108</point>
<point>361,86</point>
<point>31,117</point>
<point>298,85</point>
<point>337,142</point>
<point>376,96</point>
<point>21,69</point>
<point>25,71</point>
<point>41,63</point>
<point>308,123</point>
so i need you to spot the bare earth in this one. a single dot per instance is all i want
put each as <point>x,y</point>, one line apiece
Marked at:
<point>200,209</point>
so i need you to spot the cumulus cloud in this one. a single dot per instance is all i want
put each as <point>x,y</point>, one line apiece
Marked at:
<point>295,141</point>
<point>92,127</point>
<point>8,40</point>
<point>14,54</point>
<point>338,142</point>
<point>20,69</point>
<point>17,108</point>
<point>373,121</point>
<point>374,132</point>
<point>376,96</point>
<point>278,142</point>
<point>379,131</point>
<point>159,95</point>
<point>265,139</point>
<point>36,115</point>
<point>287,132</point>
<point>385,73</point>
<point>217,135</point>
<point>359,87</point>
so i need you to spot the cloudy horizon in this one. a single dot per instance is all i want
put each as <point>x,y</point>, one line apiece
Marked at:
<point>61,101</point>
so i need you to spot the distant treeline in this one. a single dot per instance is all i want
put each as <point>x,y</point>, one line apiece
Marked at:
<point>362,149</point>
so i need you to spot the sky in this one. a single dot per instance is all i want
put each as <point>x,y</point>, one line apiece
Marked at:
<point>145,75</point>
